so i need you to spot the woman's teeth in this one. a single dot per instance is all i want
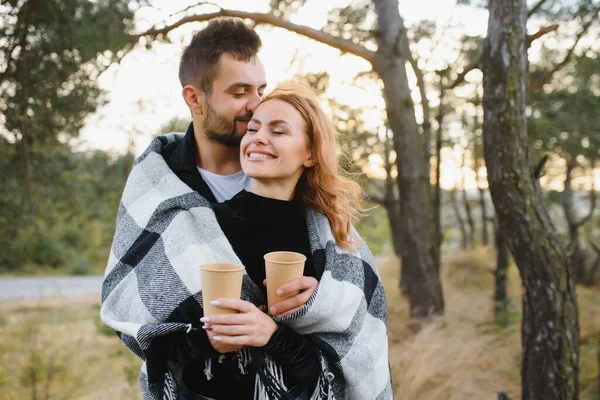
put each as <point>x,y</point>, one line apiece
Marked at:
<point>260,156</point>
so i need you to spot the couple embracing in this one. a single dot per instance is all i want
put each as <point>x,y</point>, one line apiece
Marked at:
<point>255,172</point>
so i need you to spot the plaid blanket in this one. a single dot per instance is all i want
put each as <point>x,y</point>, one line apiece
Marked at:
<point>165,230</point>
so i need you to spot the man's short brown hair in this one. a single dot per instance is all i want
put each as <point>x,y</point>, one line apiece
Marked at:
<point>200,59</point>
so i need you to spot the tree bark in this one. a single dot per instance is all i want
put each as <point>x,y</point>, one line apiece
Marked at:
<point>550,328</point>
<point>419,247</point>
<point>391,202</point>
<point>502,258</point>
<point>485,239</point>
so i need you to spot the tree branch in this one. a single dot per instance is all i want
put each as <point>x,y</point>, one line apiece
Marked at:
<point>477,64</point>
<point>548,76</point>
<point>535,8</point>
<point>543,31</point>
<point>338,43</point>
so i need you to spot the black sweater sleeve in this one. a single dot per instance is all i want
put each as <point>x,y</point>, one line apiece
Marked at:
<point>185,347</point>
<point>296,353</point>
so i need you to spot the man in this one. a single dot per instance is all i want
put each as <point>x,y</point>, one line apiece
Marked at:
<point>223,81</point>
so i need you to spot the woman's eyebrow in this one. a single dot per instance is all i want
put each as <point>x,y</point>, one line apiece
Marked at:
<point>278,121</point>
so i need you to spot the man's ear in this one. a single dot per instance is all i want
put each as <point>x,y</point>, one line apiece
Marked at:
<point>194,98</point>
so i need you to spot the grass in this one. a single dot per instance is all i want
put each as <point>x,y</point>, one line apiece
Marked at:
<point>54,349</point>
<point>465,354</point>
<point>58,349</point>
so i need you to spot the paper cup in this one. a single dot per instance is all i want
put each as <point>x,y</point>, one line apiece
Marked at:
<point>220,280</point>
<point>280,268</point>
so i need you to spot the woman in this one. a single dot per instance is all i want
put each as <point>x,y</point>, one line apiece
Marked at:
<point>291,152</point>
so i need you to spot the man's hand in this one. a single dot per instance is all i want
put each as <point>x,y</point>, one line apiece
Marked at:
<point>249,327</point>
<point>305,285</point>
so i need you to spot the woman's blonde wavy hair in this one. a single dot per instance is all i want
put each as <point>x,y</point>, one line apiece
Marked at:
<point>322,186</point>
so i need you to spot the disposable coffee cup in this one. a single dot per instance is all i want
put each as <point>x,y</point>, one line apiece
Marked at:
<point>282,267</point>
<point>220,280</point>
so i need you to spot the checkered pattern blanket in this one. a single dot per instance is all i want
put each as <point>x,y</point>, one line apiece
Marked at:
<point>165,230</point>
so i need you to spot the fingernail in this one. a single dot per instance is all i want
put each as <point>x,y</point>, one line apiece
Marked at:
<point>215,303</point>
<point>205,319</point>
<point>207,327</point>
<point>279,292</point>
<point>273,310</point>
<point>217,338</point>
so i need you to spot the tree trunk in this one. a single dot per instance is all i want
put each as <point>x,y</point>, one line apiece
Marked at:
<point>467,205</point>
<point>598,366</point>
<point>464,235</point>
<point>437,193</point>
<point>502,258</point>
<point>573,226</point>
<point>550,329</point>
<point>391,201</point>
<point>419,248</point>
<point>485,239</point>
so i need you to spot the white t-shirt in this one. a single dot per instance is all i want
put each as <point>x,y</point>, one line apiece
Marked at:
<point>224,187</point>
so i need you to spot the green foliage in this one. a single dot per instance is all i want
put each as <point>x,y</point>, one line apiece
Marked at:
<point>374,228</point>
<point>564,120</point>
<point>51,49</point>
<point>52,53</point>
<point>76,199</point>
<point>285,8</point>
<point>355,22</point>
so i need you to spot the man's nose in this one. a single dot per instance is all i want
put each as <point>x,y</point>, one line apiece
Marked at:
<point>253,102</point>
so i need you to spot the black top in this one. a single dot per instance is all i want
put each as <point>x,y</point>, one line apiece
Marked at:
<point>257,225</point>
<point>254,226</point>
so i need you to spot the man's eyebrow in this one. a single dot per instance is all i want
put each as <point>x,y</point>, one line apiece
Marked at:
<point>243,85</point>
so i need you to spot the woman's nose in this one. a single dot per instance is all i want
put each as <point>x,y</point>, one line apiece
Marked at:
<point>261,136</point>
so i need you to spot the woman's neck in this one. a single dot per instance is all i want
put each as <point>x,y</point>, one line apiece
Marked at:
<point>273,189</point>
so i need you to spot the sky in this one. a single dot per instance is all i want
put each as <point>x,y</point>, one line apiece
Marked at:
<point>143,91</point>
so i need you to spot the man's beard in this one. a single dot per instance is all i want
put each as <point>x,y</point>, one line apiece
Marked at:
<point>222,130</point>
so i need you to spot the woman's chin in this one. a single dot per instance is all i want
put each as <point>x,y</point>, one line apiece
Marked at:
<point>252,173</point>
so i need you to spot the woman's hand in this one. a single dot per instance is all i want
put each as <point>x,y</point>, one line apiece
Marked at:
<point>249,327</point>
<point>223,347</point>
<point>304,286</point>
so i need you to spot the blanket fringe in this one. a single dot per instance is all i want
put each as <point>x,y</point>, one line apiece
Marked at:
<point>208,369</point>
<point>244,360</point>
<point>260,390</point>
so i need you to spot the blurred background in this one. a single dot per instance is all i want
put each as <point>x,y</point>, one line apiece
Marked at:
<point>86,84</point>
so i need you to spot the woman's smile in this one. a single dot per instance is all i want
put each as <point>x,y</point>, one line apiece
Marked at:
<point>255,155</point>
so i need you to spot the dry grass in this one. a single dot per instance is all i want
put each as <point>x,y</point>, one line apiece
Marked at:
<point>58,347</point>
<point>465,354</point>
